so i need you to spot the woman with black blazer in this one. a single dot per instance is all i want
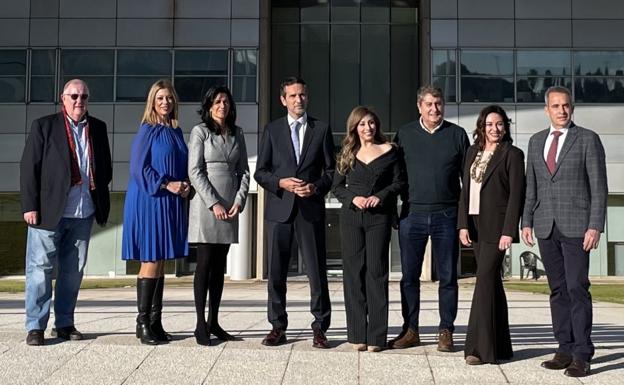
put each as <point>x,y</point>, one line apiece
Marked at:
<point>489,212</point>
<point>367,182</point>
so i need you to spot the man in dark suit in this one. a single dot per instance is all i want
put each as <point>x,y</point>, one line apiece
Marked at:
<point>295,166</point>
<point>64,175</point>
<point>566,200</point>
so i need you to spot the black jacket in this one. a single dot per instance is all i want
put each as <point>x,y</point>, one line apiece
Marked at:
<point>45,170</point>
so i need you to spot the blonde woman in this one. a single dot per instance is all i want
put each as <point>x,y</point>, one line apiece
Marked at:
<point>367,182</point>
<point>155,215</point>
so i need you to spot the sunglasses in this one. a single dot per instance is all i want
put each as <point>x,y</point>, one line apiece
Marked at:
<point>76,96</point>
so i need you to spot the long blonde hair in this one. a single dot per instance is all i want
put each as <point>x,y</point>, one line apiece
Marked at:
<point>351,142</point>
<point>149,115</point>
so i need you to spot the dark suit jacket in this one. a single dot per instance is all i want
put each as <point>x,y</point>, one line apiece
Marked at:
<point>276,160</point>
<point>45,170</point>
<point>501,197</point>
<point>575,196</point>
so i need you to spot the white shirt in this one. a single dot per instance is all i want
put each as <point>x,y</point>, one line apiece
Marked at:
<point>79,202</point>
<point>434,129</point>
<point>551,137</point>
<point>303,121</point>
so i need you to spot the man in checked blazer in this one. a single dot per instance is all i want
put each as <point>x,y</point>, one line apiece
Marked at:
<point>296,167</point>
<point>565,204</point>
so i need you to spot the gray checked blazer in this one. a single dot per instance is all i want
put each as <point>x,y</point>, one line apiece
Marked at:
<point>219,173</point>
<point>575,196</point>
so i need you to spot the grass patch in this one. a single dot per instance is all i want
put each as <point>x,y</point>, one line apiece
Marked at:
<point>606,292</point>
<point>17,285</point>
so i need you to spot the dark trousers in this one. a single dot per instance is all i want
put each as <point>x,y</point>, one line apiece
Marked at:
<point>310,237</point>
<point>488,334</point>
<point>567,269</point>
<point>208,281</point>
<point>365,239</point>
<point>414,233</point>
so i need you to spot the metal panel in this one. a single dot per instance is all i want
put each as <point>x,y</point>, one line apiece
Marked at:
<point>486,9</point>
<point>44,32</point>
<point>88,8</point>
<point>202,33</point>
<point>245,33</point>
<point>203,8</point>
<point>443,33</point>
<point>146,32</point>
<point>486,33</point>
<point>87,32</point>
<point>543,33</point>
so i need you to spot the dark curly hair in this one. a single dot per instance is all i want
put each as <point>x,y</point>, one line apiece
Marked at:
<point>479,133</point>
<point>206,104</point>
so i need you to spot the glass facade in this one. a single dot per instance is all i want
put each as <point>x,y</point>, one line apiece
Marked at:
<point>523,76</point>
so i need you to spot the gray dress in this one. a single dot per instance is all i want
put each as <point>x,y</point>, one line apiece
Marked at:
<point>219,173</point>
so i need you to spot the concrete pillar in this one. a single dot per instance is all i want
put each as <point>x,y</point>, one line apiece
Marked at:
<point>240,254</point>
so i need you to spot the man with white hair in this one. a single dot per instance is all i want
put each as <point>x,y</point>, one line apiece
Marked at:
<point>64,175</point>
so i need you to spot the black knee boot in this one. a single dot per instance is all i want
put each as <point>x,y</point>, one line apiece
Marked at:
<point>145,293</point>
<point>156,314</point>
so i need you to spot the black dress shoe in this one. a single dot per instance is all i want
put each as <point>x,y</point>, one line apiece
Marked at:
<point>578,368</point>
<point>558,362</point>
<point>221,334</point>
<point>275,337</point>
<point>319,341</point>
<point>67,333</point>
<point>35,338</point>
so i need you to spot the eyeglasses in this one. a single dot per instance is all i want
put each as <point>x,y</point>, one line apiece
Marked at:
<point>82,97</point>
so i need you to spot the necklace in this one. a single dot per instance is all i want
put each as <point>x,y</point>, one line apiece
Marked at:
<point>477,170</point>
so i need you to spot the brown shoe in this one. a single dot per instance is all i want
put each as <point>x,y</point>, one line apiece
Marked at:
<point>395,339</point>
<point>578,368</point>
<point>275,337</point>
<point>319,341</point>
<point>473,360</point>
<point>558,362</point>
<point>445,341</point>
<point>35,338</point>
<point>411,338</point>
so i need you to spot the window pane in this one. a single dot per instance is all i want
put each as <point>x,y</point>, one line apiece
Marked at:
<point>448,86</point>
<point>244,88</point>
<point>192,89</point>
<point>13,62</point>
<point>404,80</point>
<point>533,89</point>
<point>375,66</point>
<point>285,11</point>
<point>404,11</point>
<point>100,87</point>
<point>12,89</point>
<point>144,62</point>
<point>599,90</point>
<point>479,89</point>
<point>345,10</point>
<point>314,10</point>
<point>345,73</point>
<point>42,62</point>
<point>75,63</point>
<point>375,11</point>
<point>201,62</point>
<point>134,88</point>
<point>543,63</point>
<point>315,67</point>
<point>284,61</point>
<point>443,62</point>
<point>487,63</point>
<point>599,63</point>
<point>245,62</point>
<point>42,89</point>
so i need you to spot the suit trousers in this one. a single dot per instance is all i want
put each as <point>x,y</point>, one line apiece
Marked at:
<point>310,238</point>
<point>488,336</point>
<point>567,269</point>
<point>365,240</point>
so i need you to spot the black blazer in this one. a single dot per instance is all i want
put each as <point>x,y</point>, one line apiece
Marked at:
<point>45,170</point>
<point>276,160</point>
<point>501,198</point>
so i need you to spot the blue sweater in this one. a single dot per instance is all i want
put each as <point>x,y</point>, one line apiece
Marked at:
<point>434,164</point>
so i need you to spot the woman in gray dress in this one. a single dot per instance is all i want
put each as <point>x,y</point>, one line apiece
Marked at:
<point>219,172</point>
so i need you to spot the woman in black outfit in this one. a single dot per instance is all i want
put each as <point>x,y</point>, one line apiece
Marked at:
<point>489,211</point>
<point>367,183</point>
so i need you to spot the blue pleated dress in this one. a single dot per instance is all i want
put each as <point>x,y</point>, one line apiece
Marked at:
<point>155,225</point>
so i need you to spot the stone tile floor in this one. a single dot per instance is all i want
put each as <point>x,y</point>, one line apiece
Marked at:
<point>112,355</point>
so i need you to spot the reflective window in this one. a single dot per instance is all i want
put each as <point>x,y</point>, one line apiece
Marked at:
<point>489,63</point>
<point>12,75</point>
<point>599,63</point>
<point>444,65</point>
<point>487,89</point>
<point>195,71</point>
<point>43,75</point>
<point>487,76</point>
<point>95,67</point>
<point>137,70</point>
<point>599,90</point>
<point>533,89</point>
<point>244,75</point>
<point>540,63</point>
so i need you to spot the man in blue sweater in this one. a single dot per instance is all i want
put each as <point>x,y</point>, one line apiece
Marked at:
<point>434,152</point>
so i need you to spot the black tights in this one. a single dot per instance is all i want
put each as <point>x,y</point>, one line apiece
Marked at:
<point>211,258</point>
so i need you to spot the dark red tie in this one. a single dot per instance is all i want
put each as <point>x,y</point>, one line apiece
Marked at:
<point>552,152</point>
